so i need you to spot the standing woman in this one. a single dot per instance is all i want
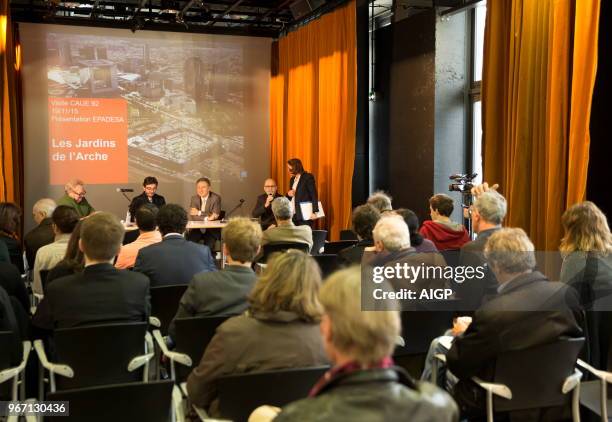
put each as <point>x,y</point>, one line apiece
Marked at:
<point>10,223</point>
<point>302,189</point>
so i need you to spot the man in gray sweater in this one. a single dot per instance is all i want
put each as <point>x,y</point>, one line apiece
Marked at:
<point>285,231</point>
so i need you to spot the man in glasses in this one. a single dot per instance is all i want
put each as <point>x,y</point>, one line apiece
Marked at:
<point>75,198</point>
<point>263,207</point>
<point>148,196</point>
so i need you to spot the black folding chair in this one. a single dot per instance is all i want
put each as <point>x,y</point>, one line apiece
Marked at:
<point>151,402</point>
<point>348,235</point>
<point>332,248</point>
<point>12,374</point>
<point>327,263</point>
<point>272,248</point>
<point>239,395</point>
<point>96,355</point>
<point>164,304</point>
<point>535,378</point>
<point>191,336</point>
<point>318,240</point>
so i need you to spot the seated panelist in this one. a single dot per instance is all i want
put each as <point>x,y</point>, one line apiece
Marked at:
<point>148,196</point>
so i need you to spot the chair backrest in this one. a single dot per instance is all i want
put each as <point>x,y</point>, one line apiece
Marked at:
<point>332,248</point>
<point>99,354</point>
<point>535,375</point>
<point>348,235</point>
<point>164,303</point>
<point>327,263</point>
<point>419,328</point>
<point>451,257</point>
<point>239,395</point>
<point>192,336</point>
<point>151,402</point>
<point>271,248</point>
<point>318,240</point>
<point>7,360</point>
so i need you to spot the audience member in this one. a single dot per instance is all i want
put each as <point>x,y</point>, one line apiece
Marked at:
<point>586,248</point>
<point>73,261</point>
<point>174,260</point>
<point>527,311</point>
<point>8,322</point>
<point>365,218</point>
<point>441,230</point>
<point>487,214</point>
<point>75,197</point>
<point>285,230</point>
<point>101,294</point>
<point>10,222</point>
<point>363,384</point>
<point>148,235</point>
<point>381,201</point>
<point>4,253</point>
<point>65,219</point>
<point>417,241</point>
<point>11,281</point>
<point>148,196</point>
<point>225,292</point>
<point>263,206</point>
<point>42,234</point>
<point>280,329</point>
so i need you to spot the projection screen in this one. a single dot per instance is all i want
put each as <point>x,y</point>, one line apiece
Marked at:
<point>110,107</point>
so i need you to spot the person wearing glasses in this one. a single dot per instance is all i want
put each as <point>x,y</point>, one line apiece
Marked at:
<point>75,198</point>
<point>148,196</point>
<point>263,206</point>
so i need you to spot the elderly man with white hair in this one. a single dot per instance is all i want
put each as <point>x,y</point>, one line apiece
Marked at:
<point>487,214</point>
<point>75,198</point>
<point>43,233</point>
<point>285,231</point>
<point>527,311</point>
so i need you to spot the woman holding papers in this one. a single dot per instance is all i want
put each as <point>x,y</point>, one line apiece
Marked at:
<point>302,193</point>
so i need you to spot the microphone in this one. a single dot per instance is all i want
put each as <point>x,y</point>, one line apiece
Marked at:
<point>124,190</point>
<point>234,209</point>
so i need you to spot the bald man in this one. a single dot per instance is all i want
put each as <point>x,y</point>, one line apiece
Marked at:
<point>263,207</point>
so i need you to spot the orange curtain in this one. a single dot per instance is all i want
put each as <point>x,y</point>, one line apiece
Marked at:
<point>540,60</point>
<point>10,151</point>
<point>313,109</point>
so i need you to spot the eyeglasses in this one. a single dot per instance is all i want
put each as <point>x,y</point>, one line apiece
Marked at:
<point>81,194</point>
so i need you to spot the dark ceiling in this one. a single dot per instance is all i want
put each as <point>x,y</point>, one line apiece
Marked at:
<point>242,17</point>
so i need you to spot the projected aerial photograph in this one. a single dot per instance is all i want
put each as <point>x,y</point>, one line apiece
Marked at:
<point>185,101</point>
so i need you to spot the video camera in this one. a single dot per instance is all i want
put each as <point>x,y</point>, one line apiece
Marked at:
<point>462,182</point>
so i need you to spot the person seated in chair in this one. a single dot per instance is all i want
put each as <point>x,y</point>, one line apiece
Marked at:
<point>527,311</point>
<point>285,231</point>
<point>101,294</point>
<point>224,293</point>
<point>174,260</point>
<point>363,384</point>
<point>441,230</point>
<point>42,234</point>
<point>148,235</point>
<point>365,218</point>
<point>280,329</point>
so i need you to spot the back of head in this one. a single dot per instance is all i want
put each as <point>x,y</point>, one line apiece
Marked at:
<point>281,208</point>
<point>491,206</point>
<point>101,236</point>
<point>366,336</point>
<point>65,218</point>
<point>392,231</point>
<point>10,217</point>
<point>289,283</point>
<point>412,221</point>
<point>586,229</point>
<point>381,201</point>
<point>74,256</point>
<point>365,218</point>
<point>44,206</point>
<point>442,203</point>
<point>510,250</point>
<point>145,217</point>
<point>171,218</point>
<point>242,237</point>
